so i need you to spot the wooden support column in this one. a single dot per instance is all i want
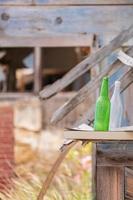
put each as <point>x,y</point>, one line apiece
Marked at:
<point>37,69</point>
<point>114,171</point>
<point>110,183</point>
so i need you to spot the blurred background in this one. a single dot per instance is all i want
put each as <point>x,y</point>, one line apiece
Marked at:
<point>40,41</point>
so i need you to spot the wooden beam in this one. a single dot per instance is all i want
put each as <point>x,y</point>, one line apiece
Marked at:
<point>63,40</point>
<point>115,153</point>
<point>37,69</point>
<point>65,2</point>
<point>86,92</point>
<point>87,64</point>
<point>88,117</point>
<point>95,136</point>
<point>15,95</point>
<point>82,2</point>
<point>16,2</point>
<point>60,25</point>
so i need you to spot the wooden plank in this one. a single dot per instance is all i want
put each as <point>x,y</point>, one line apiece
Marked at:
<point>128,95</point>
<point>85,93</point>
<point>66,2</point>
<point>126,81</point>
<point>51,25</point>
<point>87,64</point>
<point>110,183</point>
<point>13,96</point>
<point>95,70</point>
<point>115,154</point>
<point>99,136</point>
<point>16,2</point>
<point>88,116</point>
<point>82,2</point>
<point>37,69</point>
<point>128,183</point>
<point>63,40</point>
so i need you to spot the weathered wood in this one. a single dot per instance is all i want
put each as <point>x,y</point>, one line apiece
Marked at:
<point>86,64</point>
<point>99,136</point>
<point>37,69</point>
<point>110,183</point>
<point>128,95</point>
<point>115,154</point>
<point>64,40</point>
<point>95,70</point>
<point>16,2</point>
<point>126,81</point>
<point>13,96</point>
<point>128,183</point>
<point>84,93</point>
<point>65,2</point>
<point>49,107</point>
<point>53,25</point>
<point>114,177</point>
<point>82,2</point>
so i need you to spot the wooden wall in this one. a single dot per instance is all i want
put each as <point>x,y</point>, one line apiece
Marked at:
<point>65,2</point>
<point>114,171</point>
<point>61,22</point>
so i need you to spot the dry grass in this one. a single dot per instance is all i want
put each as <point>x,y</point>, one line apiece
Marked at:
<point>72,181</point>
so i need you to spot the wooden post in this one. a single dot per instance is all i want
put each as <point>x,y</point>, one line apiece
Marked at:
<point>114,171</point>
<point>37,69</point>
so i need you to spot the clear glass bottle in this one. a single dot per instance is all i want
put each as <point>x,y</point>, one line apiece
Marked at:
<point>116,111</point>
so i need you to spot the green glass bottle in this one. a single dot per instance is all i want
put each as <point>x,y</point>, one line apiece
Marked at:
<point>102,112</point>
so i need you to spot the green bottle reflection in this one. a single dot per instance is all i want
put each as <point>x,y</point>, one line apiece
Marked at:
<point>102,111</point>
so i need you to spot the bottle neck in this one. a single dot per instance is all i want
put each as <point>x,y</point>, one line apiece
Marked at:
<point>117,88</point>
<point>105,88</point>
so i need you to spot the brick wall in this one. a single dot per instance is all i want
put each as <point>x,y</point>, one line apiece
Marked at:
<point>6,145</point>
